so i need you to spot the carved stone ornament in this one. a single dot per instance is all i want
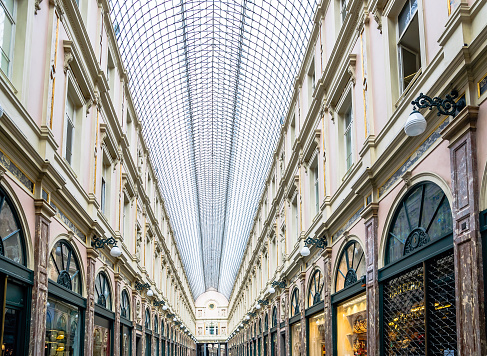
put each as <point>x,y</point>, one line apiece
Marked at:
<point>137,310</point>
<point>378,19</point>
<point>351,72</point>
<point>2,172</point>
<point>37,6</point>
<point>68,58</point>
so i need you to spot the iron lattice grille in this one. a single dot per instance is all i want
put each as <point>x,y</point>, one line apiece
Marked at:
<point>406,323</point>
<point>442,334</point>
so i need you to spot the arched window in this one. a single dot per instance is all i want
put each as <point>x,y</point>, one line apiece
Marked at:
<point>295,302</point>
<point>156,325</point>
<point>260,326</point>
<point>147,319</point>
<point>351,265</point>
<point>162,327</point>
<point>12,244</point>
<point>274,317</point>
<point>419,289</point>
<point>266,322</point>
<point>64,266</point>
<point>315,288</point>
<point>102,290</point>
<point>125,305</point>
<point>423,216</point>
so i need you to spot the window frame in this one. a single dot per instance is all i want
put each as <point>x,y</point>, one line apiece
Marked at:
<point>13,19</point>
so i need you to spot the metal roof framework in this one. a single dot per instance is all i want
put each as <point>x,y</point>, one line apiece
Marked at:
<point>211,82</point>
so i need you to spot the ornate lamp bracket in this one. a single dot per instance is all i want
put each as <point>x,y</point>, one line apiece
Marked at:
<point>263,302</point>
<point>281,284</point>
<point>447,106</point>
<point>97,242</point>
<point>140,286</point>
<point>319,242</point>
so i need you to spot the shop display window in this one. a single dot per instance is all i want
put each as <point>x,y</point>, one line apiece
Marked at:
<point>351,325</point>
<point>317,335</point>
<point>62,329</point>
<point>101,337</point>
<point>296,339</point>
<point>125,334</point>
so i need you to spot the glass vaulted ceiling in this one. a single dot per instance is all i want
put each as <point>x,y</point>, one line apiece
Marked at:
<point>211,82</point>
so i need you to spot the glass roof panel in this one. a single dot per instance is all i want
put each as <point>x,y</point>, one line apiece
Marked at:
<point>211,82</point>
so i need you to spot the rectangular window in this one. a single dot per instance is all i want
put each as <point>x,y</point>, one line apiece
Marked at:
<point>295,213</point>
<point>70,120</point>
<point>348,137</point>
<point>343,10</point>
<point>293,130</point>
<point>7,32</point>
<point>409,52</point>
<point>316,188</point>
<point>103,195</point>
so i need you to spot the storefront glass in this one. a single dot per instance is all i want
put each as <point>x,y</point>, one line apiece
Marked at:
<point>316,335</point>
<point>125,336</point>
<point>296,339</point>
<point>101,337</point>
<point>62,331</point>
<point>351,324</point>
<point>274,344</point>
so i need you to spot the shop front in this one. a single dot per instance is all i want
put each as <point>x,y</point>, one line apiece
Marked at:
<point>417,281</point>
<point>295,324</point>
<point>148,333</point>
<point>314,315</point>
<point>16,280</point>
<point>104,317</point>
<point>274,332</point>
<point>125,325</point>
<point>65,305</point>
<point>349,302</point>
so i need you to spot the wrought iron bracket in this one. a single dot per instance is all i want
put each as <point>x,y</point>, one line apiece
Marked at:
<point>140,286</point>
<point>159,303</point>
<point>281,284</point>
<point>252,314</point>
<point>263,302</point>
<point>319,242</point>
<point>170,315</point>
<point>97,242</point>
<point>447,106</point>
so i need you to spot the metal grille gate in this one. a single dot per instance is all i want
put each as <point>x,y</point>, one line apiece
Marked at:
<point>410,328</point>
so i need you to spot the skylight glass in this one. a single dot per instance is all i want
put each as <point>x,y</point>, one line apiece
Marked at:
<point>211,82</point>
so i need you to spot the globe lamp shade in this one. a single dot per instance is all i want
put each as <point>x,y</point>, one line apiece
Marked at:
<point>271,290</point>
<point>150,293</point>
<point>305,251</point>
<point>115,251</point>
<point>415,124</point>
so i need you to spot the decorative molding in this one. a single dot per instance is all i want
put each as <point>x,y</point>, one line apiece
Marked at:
<point>378,19</point>
<point>68,55</point>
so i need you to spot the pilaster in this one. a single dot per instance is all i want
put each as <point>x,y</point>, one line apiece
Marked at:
<point>302,308</point>
<point>467,243</point>
<point>44,212</point>
<point>370,215</point>
<point>327,309</point>
<point>91,255</point>
<point>117,297</point>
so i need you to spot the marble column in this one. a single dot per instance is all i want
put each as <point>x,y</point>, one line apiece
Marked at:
<point>43,214</point>
<point>369,215</point>
<point>302,308</point>
<point>116,331</point>
<point>286,320</point>
<point>327,310</point>
<point>278,332</point>
<point>142,339</point>
<point>467,243</point>
<point>91,255</point>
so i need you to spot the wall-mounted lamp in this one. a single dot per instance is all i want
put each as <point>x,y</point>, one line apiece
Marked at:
<point>263,302</point>
<point>159,303</point>
<point>97,243</point>
<point>416,123</point>
<point>252,314</point>
<point>276,284</point>
<point>140,286</point>
<point>318,242</point>
<point>164,307</point>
